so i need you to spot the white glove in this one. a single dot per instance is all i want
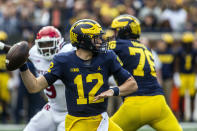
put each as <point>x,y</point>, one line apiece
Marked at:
<point>1,45</point>
<point>176,78</point>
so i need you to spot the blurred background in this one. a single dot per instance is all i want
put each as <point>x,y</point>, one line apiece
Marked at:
<point>169,28</point>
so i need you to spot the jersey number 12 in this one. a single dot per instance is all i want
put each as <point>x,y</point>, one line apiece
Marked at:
<point>78,81</point>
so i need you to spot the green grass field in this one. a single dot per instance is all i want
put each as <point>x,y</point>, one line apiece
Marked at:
<point>186,127</point>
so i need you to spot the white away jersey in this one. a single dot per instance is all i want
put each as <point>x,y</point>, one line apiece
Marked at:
<point>56,92</point>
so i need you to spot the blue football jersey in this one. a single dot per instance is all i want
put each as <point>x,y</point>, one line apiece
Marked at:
<point>138,60</point>
<point>85,79</point>
<point>167,59</point>
<point>186,60</point>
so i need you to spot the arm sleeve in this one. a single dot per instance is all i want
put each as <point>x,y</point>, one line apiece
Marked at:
<point>120,74</point>
<point>32,68</point>
<point>115,62</point>
<point>50,78</point>
<point>54,71</point>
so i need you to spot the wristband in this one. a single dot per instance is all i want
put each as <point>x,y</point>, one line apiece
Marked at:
<point>2,45</point>
<point>116,91</point>
<point>23,68</point>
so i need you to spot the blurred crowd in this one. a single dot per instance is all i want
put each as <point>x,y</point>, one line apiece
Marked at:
<point>21,19</point>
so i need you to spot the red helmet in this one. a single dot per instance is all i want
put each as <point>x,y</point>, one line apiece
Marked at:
<point>47,41</point>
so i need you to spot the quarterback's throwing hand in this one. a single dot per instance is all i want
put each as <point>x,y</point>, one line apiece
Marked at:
<point>105,94</point>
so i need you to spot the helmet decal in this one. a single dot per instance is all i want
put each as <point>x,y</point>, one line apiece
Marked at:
<point>83,34</point>
<point>95,29</point>
<point>127,26</point>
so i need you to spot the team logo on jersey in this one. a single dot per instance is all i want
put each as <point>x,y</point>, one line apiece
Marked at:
<point>74,69</point>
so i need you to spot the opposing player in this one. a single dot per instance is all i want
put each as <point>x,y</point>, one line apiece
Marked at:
<point>52,117</point>
<point>85,74</point>
<point>147,105</point>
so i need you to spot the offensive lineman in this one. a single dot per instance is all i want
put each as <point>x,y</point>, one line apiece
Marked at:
<point>147,105</point>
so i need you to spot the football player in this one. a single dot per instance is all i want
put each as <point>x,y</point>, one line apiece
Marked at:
<point>184,76</point>
<point>85,73</point>
<point>4,81</point>
<point>52,117</point>
<point>166,56</point>
<point>147,105</point>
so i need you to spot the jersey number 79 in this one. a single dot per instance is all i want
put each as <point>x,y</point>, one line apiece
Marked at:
<point>144,54</point>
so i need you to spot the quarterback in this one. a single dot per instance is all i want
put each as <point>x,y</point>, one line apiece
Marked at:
<point>85,74</point>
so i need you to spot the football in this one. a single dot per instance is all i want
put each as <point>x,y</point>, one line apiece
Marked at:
<point>17,55</point>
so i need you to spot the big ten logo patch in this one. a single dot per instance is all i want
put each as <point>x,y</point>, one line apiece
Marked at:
<point>74,69</point>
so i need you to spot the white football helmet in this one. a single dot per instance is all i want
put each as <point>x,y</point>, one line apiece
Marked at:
<point>47,41</point>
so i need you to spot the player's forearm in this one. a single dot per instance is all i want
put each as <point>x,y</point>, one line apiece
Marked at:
<point>32,83</point>
<point>4,47</point>
<point>128,87</point>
